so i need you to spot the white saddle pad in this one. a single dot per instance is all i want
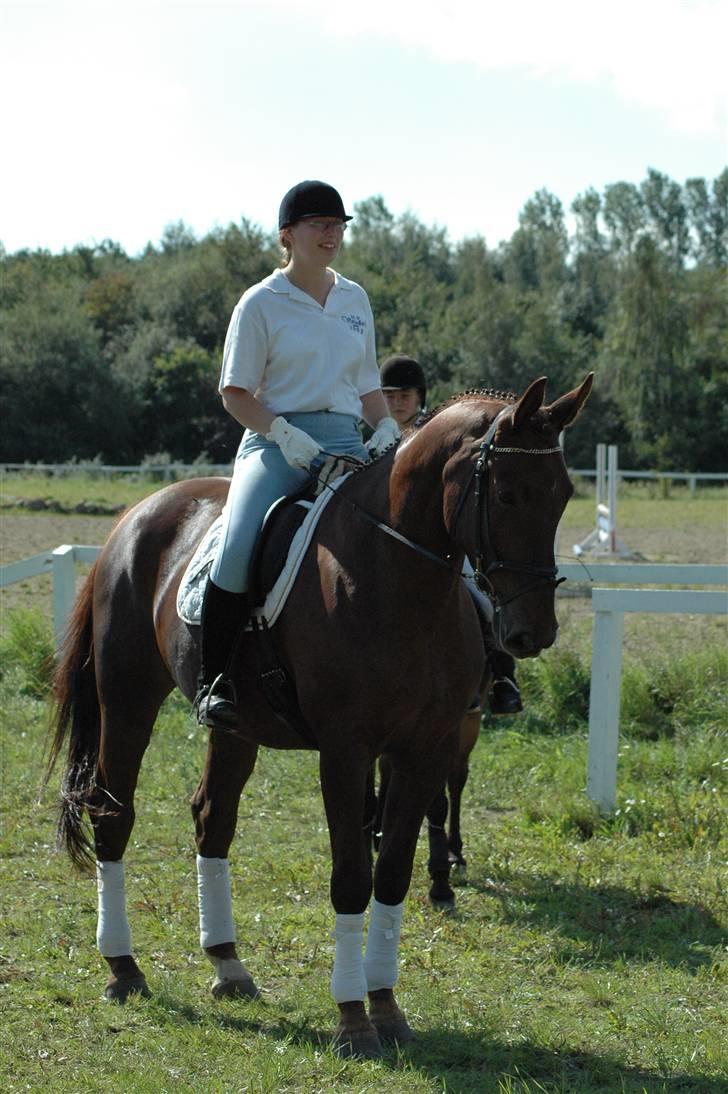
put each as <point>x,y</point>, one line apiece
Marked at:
<point>192,587</point>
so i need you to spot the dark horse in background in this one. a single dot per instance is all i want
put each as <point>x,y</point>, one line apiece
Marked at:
<point>379,638</point>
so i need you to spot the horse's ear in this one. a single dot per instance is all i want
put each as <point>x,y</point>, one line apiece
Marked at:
<point>529,403</point>
<point>563,411</point>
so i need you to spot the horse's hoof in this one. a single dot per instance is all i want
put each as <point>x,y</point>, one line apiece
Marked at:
<point>393,1029</point>
<point>119,990</point>
<point>232,980</point>
<point>387,1018</point>
<point>445,905</point>
<point>362,1045</point>
<point>235,989</point>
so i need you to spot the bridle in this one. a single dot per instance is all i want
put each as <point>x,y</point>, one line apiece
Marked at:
<point>478,481</point>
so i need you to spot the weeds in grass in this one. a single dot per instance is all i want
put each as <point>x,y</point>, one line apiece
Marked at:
<point>28,647</point>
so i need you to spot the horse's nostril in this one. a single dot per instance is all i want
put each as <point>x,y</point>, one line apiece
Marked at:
<point>524,644</point>
<point>521,644</point>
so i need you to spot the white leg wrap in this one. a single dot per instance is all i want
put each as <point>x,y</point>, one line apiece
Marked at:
<point>216,902</point>
<point>348,982</point>
<point>381,958</point>
<point>113,936</point>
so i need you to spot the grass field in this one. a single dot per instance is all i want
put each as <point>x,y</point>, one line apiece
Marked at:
<point>587,954</point>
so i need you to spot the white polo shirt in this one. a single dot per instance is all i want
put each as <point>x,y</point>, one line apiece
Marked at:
<point>294,355</point>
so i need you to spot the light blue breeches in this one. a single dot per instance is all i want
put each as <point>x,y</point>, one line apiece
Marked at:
<point>260,477</point>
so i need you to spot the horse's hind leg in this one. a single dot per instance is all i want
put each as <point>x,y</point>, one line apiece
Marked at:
<point>229,765</point>
<point>438,864</point>
<point>124,738</point>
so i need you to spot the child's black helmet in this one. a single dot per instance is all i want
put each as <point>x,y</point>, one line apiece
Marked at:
<point>400,372</point>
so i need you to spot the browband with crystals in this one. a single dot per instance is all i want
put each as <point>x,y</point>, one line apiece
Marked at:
<point>527,451</point>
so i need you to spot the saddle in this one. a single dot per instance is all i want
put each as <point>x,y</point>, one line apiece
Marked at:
<point>281,545</point>
<point>279,551</point>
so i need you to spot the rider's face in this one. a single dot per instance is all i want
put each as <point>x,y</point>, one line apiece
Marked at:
<point>403,404</point>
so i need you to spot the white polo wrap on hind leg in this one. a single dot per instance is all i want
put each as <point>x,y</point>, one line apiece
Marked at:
<point>216,902</point>
<point>381,959</point>
<point>113,936</point>
<point>348,982</point>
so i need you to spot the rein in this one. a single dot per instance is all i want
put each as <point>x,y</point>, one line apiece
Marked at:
<point>359,466</point>
<point>478,481</point>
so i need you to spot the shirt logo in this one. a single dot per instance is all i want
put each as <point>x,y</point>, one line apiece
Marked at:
<point>355,323</point>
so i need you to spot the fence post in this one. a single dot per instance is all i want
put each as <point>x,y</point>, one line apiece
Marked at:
<point>64,589</point>
<point>604,698</point>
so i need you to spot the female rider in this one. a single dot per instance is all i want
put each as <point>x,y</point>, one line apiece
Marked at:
<point>299,372</point>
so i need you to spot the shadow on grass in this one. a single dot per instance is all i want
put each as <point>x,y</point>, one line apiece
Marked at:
<point>615,922</point>
<point>480,1062</point>
<point>464,1063</point>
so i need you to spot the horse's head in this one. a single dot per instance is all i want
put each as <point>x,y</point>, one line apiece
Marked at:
<point>506,487</point>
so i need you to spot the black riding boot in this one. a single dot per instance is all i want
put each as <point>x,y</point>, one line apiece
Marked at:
<point>224,615</point>
<point>504,696</point>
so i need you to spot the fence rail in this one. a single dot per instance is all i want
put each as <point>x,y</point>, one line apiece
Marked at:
<point>609,604</point>
<point>171,470</point>
<point>61,562</point>
<point>168,469</point>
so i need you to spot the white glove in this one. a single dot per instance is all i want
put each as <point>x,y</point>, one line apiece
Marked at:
<point>385,435</point>
<point>296,445</point>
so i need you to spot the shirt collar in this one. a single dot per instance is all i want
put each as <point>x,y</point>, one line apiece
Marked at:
<point>279,283</point>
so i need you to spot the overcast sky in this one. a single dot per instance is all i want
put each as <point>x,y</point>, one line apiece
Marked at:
<point>121,118</point>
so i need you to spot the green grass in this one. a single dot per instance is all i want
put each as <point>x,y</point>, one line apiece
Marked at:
<point>70,489</point>
<point>637,507</point>
<point>587,954</point>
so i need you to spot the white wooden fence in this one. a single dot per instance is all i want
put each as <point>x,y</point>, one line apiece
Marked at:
<point>609,604</point>
<point>61,562</point>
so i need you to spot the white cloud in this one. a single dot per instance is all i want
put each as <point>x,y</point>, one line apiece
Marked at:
<point>665,55</point>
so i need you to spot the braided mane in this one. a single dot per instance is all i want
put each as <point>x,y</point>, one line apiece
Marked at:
<point>471,393</point>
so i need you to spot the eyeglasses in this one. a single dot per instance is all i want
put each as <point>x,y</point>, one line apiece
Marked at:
<point>324,225</point>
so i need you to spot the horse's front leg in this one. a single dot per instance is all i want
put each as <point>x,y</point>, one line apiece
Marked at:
<point>344,789</point>
<point>469,733</point>
<point>415,781</point>
<point>438,863</point>
<point>229,765</point>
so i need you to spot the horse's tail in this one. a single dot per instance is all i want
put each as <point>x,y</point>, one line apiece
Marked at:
<point>77,715</point>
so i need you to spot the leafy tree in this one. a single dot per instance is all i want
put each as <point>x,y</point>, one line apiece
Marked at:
<point>184,415</point>
<point>709,219</point>
<point>667,216</point>
<point>59,400</point>
<point>624,215</point>
<point>646,348</point>
<point>535,257</point>
<point>117,356</point>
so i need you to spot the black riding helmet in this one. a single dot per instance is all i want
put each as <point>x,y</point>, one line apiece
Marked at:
<point>310,198</point>
<point>400,372</point>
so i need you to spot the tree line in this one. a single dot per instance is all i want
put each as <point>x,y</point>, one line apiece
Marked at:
<point>117,357</point>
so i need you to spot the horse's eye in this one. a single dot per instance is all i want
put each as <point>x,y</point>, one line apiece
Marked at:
<point>506,497</point>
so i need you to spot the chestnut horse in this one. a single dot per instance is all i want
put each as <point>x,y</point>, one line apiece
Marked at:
<point>381,642</point>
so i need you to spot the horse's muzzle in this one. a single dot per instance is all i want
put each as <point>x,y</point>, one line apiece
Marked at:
<point>527,643</point>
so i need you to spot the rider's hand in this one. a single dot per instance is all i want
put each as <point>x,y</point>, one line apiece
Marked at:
<point>385,435</point>
<point>330,468</point>
<point>296,445</point>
